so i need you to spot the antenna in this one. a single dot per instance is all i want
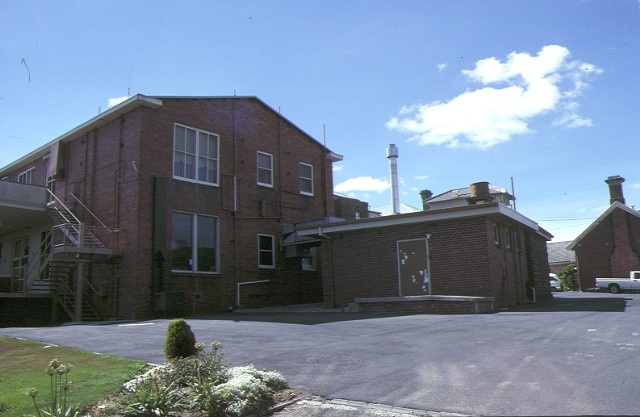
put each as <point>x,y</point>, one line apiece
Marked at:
<point>513,193</point>
<point>129,87</point>
<point>324,135</point>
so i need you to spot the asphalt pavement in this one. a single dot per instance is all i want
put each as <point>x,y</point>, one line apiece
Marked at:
<point>575,355</point>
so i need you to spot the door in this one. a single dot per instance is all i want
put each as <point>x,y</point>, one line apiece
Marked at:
<point>19,262</point>
<point>413,267</point>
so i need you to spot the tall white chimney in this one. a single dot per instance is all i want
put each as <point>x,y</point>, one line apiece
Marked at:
<point>392,155</point>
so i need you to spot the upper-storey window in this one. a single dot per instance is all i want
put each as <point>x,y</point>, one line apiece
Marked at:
<point>306,179</point>
<point>195,155</point>
<point>265,169</point>
<point>27,177</point>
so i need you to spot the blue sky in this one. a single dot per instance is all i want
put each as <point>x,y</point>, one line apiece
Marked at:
<point>544,92</point>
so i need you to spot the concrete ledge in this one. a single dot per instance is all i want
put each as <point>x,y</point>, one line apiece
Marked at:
<point>425,304</point>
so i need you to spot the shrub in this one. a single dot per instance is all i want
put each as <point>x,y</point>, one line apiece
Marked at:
<point>209,366</point>
<point>568,278</point>
<point>151,398</point>
<point>180,341</point>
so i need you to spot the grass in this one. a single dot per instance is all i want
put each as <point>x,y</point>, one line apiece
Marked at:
<point>23,366</point>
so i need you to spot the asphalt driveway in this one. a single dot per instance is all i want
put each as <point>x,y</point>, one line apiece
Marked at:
<point>576,355</point>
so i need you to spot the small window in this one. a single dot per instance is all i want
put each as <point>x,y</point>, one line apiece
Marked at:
<point>265,169</point>
<point>27,177</point>
<point>507,238</point>
<point>266,254</point>
<point>496,234</point>
<point>306,179</point>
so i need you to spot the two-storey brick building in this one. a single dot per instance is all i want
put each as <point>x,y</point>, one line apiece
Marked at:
<point>164,205</point>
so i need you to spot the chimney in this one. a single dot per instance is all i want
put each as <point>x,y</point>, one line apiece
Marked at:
<point>392,155</point>
<point>615,188</point>
<point>426,195</point>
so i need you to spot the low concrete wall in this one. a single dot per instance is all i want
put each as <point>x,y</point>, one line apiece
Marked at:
<point>425,304</point>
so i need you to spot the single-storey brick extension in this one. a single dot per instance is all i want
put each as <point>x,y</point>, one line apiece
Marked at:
<point>176,206</point>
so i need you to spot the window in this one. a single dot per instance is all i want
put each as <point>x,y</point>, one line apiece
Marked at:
<point>194,243</point>
<point>195,155</point>
<point>27,177</point>
<point>51,186</point>
<point>306,179</point>
<point>507,238</point>
<point>265,169</point>
<point>496,234</point>
<point>266,258</point>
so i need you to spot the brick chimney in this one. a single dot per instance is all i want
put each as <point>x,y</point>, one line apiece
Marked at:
<point>615,188</point>
<point>426,195</point>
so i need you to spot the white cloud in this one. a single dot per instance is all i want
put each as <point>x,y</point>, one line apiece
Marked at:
<point>117,100</point>
<point>513,93</point>
<point>378,185</point>
<point>635,186</point>
<point>338,168</point>
<point>421,177</point>
<point>442,67</point>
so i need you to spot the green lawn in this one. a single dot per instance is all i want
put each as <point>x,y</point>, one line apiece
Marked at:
<point>23,366</point>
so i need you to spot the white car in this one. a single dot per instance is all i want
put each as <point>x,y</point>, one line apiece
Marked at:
<point>554,283</point>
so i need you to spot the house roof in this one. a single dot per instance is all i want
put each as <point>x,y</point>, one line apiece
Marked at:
<point>600,219</point>
<point>132,103</point>
<point>558,253</point>
<point>465,192</point>
<point>486,209</point>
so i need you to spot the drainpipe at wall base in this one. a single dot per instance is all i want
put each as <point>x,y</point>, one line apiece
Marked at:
<point>533,294</point>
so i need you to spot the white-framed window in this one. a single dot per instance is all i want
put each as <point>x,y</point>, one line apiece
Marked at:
<point>496,234</point>
<point>265,169</point>
<point>27,177</point>
<point>266,252</point>
<point>306,179</point>
<point>194,243</point>
<point>195,155</point>
<point>507,238</point>
<point>309,260</point>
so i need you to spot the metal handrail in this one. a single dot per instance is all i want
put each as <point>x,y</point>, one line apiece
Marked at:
<point>92,213</point>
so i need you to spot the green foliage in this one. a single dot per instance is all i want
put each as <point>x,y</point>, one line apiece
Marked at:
<point>180,341</point>
<point>568,278</point>
<point>203,365</point>
<point>152,398</point>
<point>59,386</point>
<point>95,377</point>
<point>246,391</point>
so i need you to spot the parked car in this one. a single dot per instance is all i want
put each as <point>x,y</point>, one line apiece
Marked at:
<point>554,283</point>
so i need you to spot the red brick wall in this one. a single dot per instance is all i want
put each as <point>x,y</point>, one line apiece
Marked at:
<point>113,169</point>
<point>464,260</point>
<point>597,256</point>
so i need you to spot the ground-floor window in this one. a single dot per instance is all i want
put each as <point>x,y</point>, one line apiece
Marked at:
<point>266,254</point>
<point>194,243</point>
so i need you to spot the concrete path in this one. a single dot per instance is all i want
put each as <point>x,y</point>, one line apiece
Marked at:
<point>575,356</point>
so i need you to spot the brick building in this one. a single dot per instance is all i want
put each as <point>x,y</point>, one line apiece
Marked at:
<point>609,247</point>
<point>163,205</point>
<point>474,244</point>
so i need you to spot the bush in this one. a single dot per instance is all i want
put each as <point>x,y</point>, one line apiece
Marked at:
<point>568,278</point>
<point>180,341</point>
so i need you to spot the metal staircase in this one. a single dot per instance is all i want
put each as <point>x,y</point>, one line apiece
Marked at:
<point>57,269</point>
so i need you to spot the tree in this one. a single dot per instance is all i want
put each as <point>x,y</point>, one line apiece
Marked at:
<point>568,278</point>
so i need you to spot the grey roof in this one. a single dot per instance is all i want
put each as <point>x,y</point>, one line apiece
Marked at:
<point>464,192</point>
<point>558,252</point>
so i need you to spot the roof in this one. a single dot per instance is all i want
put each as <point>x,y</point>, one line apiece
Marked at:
<point>132,103</point>
<point>465,192</point>
<point>557,252</point>
<point>487,209</point>
<point>600,219</point>
<point>388,210</point>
